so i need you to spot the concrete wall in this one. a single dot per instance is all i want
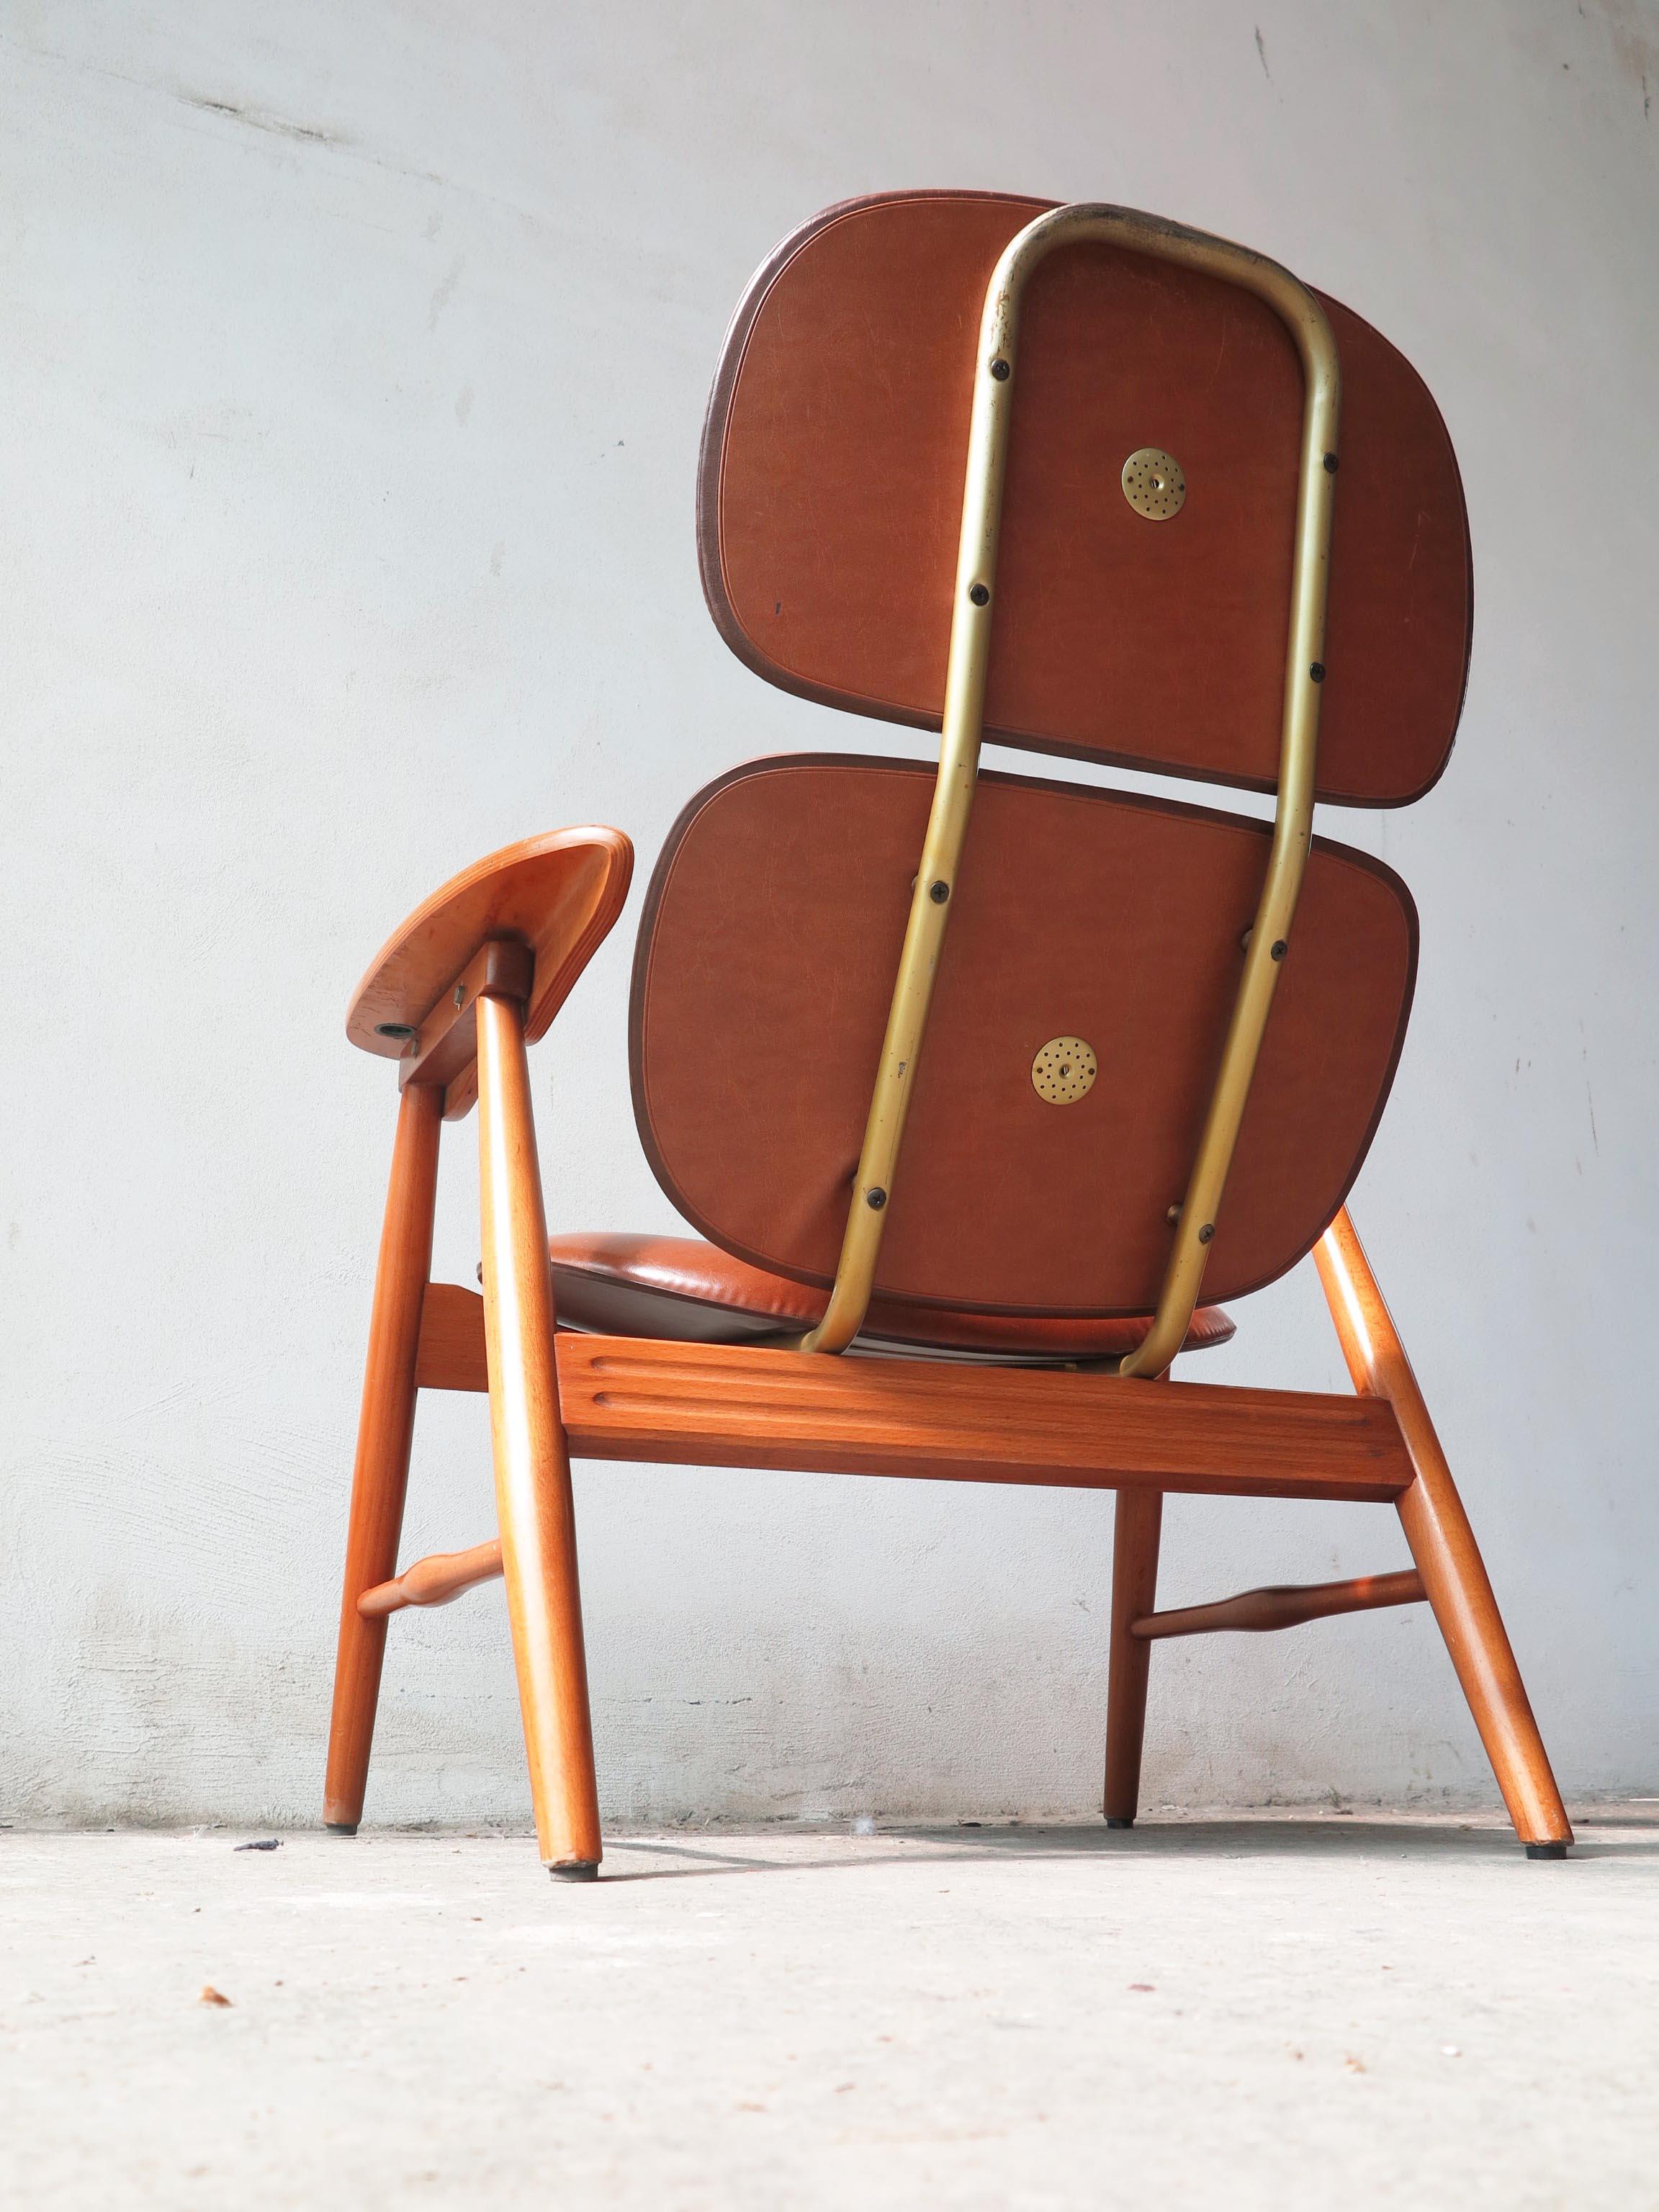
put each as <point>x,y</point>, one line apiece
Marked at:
<point>354,358</point>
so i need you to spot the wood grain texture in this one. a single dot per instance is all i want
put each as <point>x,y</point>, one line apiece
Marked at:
<point>739,1405</point>
<point>452,1354</point>
<point>1281,1605</point>
<point>1139,1523</point>
<point>446,1044</point>
<point>532,1467</point>
<point>558,893</point>
<point>385,1430</point>
<point>743,1406</point>
<point>1443,1544</point>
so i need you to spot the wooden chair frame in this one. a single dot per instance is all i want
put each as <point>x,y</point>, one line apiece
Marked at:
<point>555,1394</point>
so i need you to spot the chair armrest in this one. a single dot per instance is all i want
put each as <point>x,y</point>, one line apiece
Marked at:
<point>558,894</point>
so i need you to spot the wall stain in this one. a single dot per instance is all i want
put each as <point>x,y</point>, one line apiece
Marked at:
<point>445,292</point>
<point>258,119</point>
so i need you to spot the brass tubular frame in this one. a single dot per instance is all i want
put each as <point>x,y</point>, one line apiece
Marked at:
<point>963,720</point>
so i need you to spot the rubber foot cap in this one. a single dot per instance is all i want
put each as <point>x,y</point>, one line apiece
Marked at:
<point>1546,1851</point>
<point>576,1870</point>
<point>341,1827</point>
<point>1120,1824</point>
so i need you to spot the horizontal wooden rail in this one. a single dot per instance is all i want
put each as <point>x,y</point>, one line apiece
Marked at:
<point>1283,1605</point>
<point>712,1405</point>
<point>434,1580</point>
<point>725,1405</point>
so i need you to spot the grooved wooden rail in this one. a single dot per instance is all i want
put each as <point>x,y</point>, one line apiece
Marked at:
<point>721,1404</point>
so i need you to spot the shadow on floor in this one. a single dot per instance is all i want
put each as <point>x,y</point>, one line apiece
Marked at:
<point>1329,1837</point>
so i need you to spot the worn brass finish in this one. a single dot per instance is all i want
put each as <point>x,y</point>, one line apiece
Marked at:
<point>1153,483</point>
<point>1064,1071</point>
<point>964,696</point>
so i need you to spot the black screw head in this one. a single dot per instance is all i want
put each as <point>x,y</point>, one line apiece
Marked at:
<point>875,1199</point>
<point>1330,465</point>
<point>1280,948</point>
<point>1206,1232</point>
<point>1001,370</point>
<point>938,893</point>
<point>980,594</point>
<point>1317,671</point>
<point>401,1030</point>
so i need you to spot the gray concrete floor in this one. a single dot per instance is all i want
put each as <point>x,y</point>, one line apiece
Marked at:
<point>1279,2011</point>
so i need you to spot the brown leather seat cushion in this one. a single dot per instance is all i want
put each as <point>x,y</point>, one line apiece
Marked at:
<point>680,1289</point>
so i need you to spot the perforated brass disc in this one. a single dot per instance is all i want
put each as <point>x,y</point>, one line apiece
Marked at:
<point>1153,483</point>
<point>1064,1071</point>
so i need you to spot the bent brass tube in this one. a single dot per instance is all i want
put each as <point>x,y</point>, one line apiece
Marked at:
<point>995,381</point>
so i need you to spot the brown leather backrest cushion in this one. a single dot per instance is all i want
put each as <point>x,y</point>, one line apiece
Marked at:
<point>765,966</point>
<point>831,483</point>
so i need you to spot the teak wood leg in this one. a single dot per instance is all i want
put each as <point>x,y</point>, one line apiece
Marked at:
<point>532,1463</point>
<point>1135,1593</point>
<point>1443,1546</point>
<point>386,1429</point>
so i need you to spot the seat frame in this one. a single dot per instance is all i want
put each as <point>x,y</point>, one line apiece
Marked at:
<point>555,1396</point>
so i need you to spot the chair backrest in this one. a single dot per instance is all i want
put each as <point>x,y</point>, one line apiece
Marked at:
<point>831,493</point>
<point>1095,941</point>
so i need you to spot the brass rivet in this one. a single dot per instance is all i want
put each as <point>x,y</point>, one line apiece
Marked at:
<point>1064,1071</point>
<point>980,594</point>
<point>1153,484</point>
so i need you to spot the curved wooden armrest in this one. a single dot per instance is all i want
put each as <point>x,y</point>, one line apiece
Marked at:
<point>555,896</point>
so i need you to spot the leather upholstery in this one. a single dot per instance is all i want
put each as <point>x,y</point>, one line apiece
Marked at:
<point>830,497</point>
<point>680,1289</point>
<point>767,952</point>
